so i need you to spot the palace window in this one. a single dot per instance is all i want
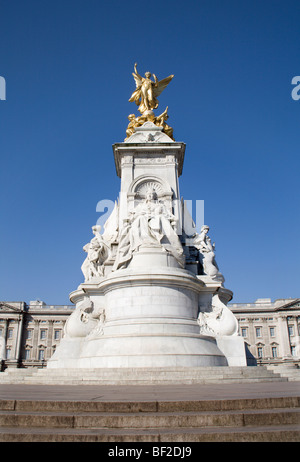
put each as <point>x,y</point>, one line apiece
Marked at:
<point>41,355</point>
<point>244,332</point>
<point>272,331</point>
<point>43,334</point>
<point>274,352</point>
<point>10,333</point>
<point>260,352</point>
<point>27,354</point>
<point>293,350</point>
<point>258,331</point>
<point>56,334</point>
<point>291,330</point>
<point>29,334</point>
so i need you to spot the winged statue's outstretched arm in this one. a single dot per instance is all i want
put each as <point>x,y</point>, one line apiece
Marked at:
<point>135,70</point>
<point>137,77</point>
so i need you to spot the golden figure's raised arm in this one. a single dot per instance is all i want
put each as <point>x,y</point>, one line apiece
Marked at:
<point>137,77</point>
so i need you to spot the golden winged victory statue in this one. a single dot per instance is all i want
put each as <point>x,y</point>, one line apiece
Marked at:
<point>145,97</point>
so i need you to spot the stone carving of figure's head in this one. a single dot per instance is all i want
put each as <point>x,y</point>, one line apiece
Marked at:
<point>96,229</point>
<point>205,229</point>
<point>151,194</point>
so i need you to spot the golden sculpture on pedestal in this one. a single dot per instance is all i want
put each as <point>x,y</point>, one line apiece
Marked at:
<point>145,97</point>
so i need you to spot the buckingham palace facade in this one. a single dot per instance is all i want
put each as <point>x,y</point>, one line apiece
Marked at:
<point>30,333</point>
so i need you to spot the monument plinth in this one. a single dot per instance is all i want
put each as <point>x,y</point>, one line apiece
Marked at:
<point>153,296</point>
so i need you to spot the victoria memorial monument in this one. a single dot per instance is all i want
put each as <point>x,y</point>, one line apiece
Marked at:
<point>152,295</point>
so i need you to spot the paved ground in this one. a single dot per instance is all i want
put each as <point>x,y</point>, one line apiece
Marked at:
<point>149,392</point>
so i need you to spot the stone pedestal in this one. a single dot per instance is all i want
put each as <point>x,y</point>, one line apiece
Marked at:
<point>150,319</point>
<point>143,306</point>
<point>233,347</point>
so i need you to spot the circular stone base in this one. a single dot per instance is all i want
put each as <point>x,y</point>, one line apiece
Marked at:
<point>151,351</point>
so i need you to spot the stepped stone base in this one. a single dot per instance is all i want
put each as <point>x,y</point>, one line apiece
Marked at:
<point>140,376</point>
<point>292,372</point>
<point>267,419</point>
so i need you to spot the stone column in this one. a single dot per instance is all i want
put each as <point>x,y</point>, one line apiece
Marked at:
<point>3,345</point>
<point>49,339</point>
<point>285,349</point>
<point>265,338</point>
<point>127,177</point>
<point>251,337</point>
<point>19,338</point>
<point>35,339</point>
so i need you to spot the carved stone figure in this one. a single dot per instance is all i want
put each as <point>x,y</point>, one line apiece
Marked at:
<point>97,252</point>
<point>111,226</point>
<point>219,321</point>
<point>203,243</point>
<point>82,321</point>
<point>145,226</point>
<point>98,330</point>
<point>150,223</point>
<point>145,95</point>
<point>124,253</point>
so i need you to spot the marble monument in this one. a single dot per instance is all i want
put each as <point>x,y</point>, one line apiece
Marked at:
<point>153,295</point>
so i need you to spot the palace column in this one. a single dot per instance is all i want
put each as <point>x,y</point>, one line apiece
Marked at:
<point>285,349</point>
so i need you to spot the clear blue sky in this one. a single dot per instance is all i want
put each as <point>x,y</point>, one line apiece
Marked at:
<point>68,66</point>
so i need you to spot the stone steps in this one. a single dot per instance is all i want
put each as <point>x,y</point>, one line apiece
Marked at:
<point>292,372</point>
<point>289,433</point>
<point>213,434</point>
<point>19,405</point>
<point>140,376</point>
<point>150,420</point>
<point>270,419</point>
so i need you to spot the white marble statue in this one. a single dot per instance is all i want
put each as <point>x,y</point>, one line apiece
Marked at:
<point>202,242</point>
<point>146,295</point>
<point>149,223</point>
<point>98,329</point>
<point>97,253</point>
<point>111,226</point>
<point>82,321</point>
<point>219,321</point>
